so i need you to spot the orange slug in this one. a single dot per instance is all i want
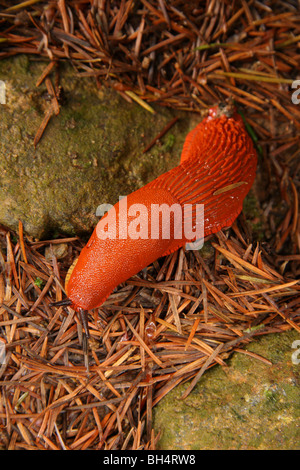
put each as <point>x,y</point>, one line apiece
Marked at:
<point>216,170</point>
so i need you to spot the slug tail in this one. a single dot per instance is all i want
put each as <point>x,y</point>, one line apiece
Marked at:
<point>217,169</point>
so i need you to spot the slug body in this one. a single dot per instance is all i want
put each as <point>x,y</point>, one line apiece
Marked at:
<point>217,169</point>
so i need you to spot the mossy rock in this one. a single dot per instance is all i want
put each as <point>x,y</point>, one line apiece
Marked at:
<point>247,405</point>
<point>90,154</point>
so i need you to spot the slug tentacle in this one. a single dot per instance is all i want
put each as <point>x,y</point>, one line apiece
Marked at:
<point>61,303</point>
<point>84,321</point>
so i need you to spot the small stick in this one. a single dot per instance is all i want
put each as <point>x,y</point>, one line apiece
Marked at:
<point>43,126</point>
<point>208,361</point>
<point>22,244</point>
<point>45,72</point>
<point>161,134</point>
<point>52,93</point>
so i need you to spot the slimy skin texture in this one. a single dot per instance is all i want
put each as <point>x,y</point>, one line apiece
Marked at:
<point>217,169</point>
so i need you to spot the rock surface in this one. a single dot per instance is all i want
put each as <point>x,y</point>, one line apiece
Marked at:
<point>247,405</point>
<point>90,154</point>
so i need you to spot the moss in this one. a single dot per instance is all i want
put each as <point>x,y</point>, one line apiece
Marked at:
<point>168,143</point>
<point>39,282</point>
<point>254,216</point>
<point>91,153</point>
<point>232,408</point>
